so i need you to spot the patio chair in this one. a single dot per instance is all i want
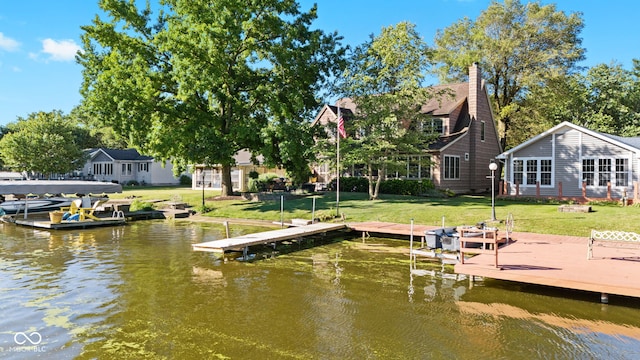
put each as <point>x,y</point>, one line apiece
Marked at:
<point>72,209</point>
<point>87,213</point>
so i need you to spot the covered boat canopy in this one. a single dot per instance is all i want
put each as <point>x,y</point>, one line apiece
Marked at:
<point>39,187</point>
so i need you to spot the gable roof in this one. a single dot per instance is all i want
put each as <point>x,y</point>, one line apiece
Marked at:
<point>120,154</point>
<point>346,112</point>
<point>631,143</point>
<point>446,98</point>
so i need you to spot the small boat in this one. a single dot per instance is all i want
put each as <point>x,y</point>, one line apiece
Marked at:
<point>37,205</point>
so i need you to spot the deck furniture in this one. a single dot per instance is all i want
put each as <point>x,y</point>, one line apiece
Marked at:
<point>87,213</point>
<point>612,238</point>
<point>73,207</point>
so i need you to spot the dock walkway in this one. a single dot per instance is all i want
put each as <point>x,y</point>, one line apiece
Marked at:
<point>243,241</point>
<point>387,228</point>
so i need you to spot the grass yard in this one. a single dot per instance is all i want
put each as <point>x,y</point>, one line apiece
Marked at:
<point>462,210</point>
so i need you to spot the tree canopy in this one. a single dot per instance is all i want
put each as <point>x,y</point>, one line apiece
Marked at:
<point>384,79</point>
<point>517,46</point>
<point>207,78</point>
<point>605,98</point>
<point>45,143</point>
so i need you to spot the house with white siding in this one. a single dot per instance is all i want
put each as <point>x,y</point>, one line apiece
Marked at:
<point>125,166</point>
<point>570,161</point>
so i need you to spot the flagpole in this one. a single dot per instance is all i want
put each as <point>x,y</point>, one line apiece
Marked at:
<point>338,164</point>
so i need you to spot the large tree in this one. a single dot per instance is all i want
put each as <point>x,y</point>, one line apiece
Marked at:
<point>605,98</point>
<point>44,142</point>
<point>208,78</point>
<point>517,45</point>
<point>385,80</point>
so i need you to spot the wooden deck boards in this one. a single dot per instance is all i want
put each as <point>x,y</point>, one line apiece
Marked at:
<point>239,242</point>
<point>379,227</point>
<point>560,261</point>
<point>550,260</point>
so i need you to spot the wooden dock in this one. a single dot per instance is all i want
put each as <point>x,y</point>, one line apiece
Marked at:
<point>243,241</point>
<point>69,225</point>
<point>560,261</point>
<point>387,228</point>
<point>549,260</point>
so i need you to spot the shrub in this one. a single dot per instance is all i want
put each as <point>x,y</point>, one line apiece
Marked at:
<point>351,184</point>
<point>185,180</point>
<point>406,187</point>
<point>139,205</point>
<point>203,209</point>
<point>133,183</point>
<point>392,186</point>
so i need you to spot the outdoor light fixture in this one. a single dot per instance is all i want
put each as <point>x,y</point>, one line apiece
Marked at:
<point>493,167</point>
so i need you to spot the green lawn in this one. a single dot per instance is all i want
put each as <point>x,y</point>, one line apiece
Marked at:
<point>461,210</point>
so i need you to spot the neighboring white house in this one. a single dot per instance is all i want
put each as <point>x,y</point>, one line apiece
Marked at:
<point>211,176</point>
<point>125,166</point>
<point>572,161</point>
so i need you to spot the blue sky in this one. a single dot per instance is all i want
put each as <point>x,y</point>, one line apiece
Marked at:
<point>38,39</point>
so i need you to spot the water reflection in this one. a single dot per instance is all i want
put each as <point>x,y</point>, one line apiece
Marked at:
<point>139,291</point>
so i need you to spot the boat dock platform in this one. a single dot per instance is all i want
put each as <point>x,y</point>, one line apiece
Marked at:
<point>561,261</point>
<point>540,259</point>
<point>244,241</point>
<point>68,225</point>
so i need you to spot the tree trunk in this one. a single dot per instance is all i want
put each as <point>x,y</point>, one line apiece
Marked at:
<point>370,178</point>
<point>227,185</point>
<point>380,177</point>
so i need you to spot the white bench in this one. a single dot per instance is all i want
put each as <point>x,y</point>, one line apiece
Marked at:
<point>608,237</point>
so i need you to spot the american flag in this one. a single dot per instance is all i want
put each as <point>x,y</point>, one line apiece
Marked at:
<point>341,129</point>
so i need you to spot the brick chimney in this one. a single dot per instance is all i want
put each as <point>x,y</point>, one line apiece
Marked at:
<point>475,83</point>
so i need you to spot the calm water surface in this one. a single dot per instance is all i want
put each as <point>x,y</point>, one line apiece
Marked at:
<point>139,291</point>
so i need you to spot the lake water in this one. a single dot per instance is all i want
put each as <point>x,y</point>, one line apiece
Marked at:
<point>139,291</point>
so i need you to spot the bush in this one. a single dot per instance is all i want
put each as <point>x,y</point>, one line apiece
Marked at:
<point>133,183</point>
<point>262,182</point>
<point>406,187</point>
<point>203,209</point>
<point>351,184</point>
<point>185,180</point>
<point>139,205</point>
<point>393,186</point>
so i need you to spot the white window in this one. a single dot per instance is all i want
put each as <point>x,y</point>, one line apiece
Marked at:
<point>530,171</point>
<point>126,169</point>
<point>604,171</point>
<point>589,171</point>
<point>451,168</point>
<point>607,171</point>
<point>102,168</point>
<point>518,171</point>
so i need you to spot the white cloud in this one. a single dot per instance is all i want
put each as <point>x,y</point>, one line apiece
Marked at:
<point>8,44</point>
<point>63,50</point>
